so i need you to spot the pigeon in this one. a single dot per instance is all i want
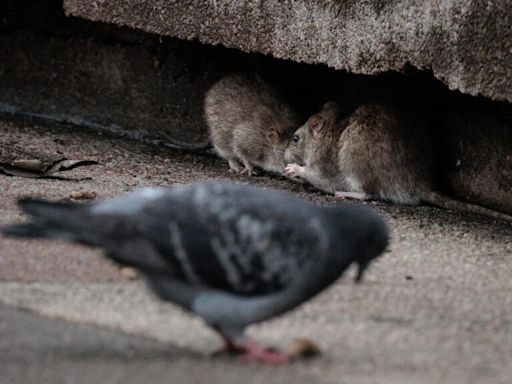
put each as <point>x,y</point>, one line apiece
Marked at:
<point>232,254</point>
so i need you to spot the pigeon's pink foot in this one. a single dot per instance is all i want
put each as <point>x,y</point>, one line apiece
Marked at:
<point>247,351</point>
<point>228,349</point>
<point>250,352</point>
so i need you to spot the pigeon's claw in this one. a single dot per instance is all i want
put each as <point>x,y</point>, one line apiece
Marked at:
<point>229,349</point>
<point>226,350</point>
<point>248,351</point>
<point>251,352</point>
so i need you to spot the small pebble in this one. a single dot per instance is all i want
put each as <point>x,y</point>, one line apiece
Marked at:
<point>303,348</point>
<point>128,273</point>
<point>83,195</point>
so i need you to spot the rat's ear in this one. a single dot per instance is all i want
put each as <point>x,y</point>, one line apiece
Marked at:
<point>273,136</point>
<point>330,105</point>
<point>316,123</point>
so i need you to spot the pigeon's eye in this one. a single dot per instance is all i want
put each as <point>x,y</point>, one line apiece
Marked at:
<point>296,138</point>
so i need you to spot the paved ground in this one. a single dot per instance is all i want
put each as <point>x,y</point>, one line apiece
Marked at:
<point>436,309</point>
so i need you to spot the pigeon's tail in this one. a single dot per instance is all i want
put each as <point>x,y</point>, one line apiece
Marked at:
<point>24,230</point>
<point>49,220</point>
<point>46,209</point>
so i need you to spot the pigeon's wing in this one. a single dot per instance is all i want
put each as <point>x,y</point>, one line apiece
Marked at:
<point>237,239</point>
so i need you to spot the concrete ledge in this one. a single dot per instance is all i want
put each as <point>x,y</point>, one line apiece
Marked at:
<point>465,43</point>
<point>148,90</point>
<point>114,78</point>
<point>478,163</point>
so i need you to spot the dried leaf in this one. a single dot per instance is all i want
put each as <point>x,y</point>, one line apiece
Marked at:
<point>15,161</point>
<point>9,154</point>
<point>66,165</point>
<point>29,164</point>
<point>9,170</point>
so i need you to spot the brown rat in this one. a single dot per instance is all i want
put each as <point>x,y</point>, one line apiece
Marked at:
<point>250,123</point>
<point>376,153</point>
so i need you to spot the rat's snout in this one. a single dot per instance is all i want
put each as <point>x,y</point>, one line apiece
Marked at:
<point>292,156</point>
<point>288,156</point>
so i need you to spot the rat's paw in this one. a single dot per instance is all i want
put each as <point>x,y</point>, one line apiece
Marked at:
<point>235,166</point>
<point>249,172</point>
<point>294,170</point>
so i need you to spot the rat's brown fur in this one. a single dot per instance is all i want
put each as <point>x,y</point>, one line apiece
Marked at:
<point>250,123</point>
<point>376,153</point>
<point>368,152</point>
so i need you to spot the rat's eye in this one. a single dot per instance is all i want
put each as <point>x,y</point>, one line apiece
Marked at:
<point>296,138</point>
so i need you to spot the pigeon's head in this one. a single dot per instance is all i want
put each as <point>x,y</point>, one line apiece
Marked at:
<point>365,233</point>
<point>373,244</point>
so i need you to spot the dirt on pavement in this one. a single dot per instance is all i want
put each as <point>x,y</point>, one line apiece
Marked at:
<point>437,308</point>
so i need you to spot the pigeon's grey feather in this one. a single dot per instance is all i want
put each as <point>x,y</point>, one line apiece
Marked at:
<point>233,254</point>
<point>254,253</point>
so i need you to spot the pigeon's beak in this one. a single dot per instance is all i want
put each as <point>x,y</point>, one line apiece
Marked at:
<point>361,268</point>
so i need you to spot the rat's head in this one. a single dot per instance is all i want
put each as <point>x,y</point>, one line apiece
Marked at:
<point>278,140</point>
<point>306,137</point>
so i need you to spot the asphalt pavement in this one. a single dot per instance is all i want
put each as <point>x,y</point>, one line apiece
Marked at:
<point>437,308</point>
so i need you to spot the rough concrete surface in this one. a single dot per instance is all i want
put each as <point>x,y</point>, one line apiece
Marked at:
<point>465,43</point>
<point>115,79</point>
<point>111,86</point>
<point>478,153</point>
<point>437,308</point>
